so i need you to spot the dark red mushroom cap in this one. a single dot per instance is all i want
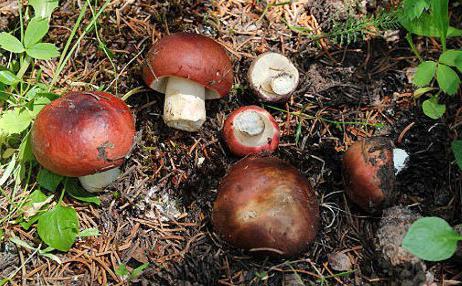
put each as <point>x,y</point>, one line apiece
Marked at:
<point>191,56</point>
<point>265,205</point>
<point>251,130</point>
<point>83,133</point>
<point>368,172</point>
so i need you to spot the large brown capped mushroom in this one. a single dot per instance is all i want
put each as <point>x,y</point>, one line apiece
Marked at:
<point>265,205</point>
<point>368,172</point>
<point>82,134</point>
<point>188,68</point>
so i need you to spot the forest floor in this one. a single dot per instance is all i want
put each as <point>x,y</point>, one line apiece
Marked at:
<point>159,211</point>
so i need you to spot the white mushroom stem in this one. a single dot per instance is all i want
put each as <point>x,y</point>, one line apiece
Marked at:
<point>283,83</point>
<point>184,106</point>
<point>249,123</point>
<point>97,182</point>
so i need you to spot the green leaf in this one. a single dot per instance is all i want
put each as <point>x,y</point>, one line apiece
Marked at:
<point>25,150</point>
<point>421,91</point>
<point>15,121</point>
<point>89,232</point>
<point>8,78</point>
<point>48,180</point>
<point>59,227</point>
<point>37,105</point>
<point>441,17</point>
<point>452,58</point>
<point>456,147</point>
<point>138,270</point>
<point>35,31</point>
<point>432,108</point>
<point>43,51</point>
<point>424,73</point>
<point>431,238</point>
<point>447,79</point>
<point>10,43</point>
<point>31,209</point>
<point>43,8</point>
<point>122,270</point>
<point>414,8</point>
<point>73,188</point>
<point>454,32</point>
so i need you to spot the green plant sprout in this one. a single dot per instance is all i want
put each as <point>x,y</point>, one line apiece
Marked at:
<point>430,18</point>
<point>129,275</point>
<point>431,239</point>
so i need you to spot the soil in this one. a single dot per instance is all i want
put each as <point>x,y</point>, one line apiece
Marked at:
<point>160,209</point>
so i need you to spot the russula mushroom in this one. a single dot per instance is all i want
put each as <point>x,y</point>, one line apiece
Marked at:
<point>188,68</point>
<point>369,172</point>
<point>251,130</point>
<point>266,206</point>
<point>272,77</point>
<point>85,135</point>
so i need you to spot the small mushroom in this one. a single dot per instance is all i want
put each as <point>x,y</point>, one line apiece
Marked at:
<point>85,135</point>
<point>251,130</point>
<point>273,77</point>
<point>369,172</point>
<point>266,206</point>
<point>188,68</point>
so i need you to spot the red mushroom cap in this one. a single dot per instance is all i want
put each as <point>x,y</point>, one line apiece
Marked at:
<point>190,56</point>
<point>83,133</point>
<point>242,144</point>
<point>265,205</point>
<point>368,172</point>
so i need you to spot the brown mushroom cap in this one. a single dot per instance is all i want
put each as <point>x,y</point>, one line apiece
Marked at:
<point>83,133</point>
<point>265,205</point>
<point>368,172</point>
<point>191,56</point>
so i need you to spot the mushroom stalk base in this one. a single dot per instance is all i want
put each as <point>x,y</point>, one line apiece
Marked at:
<point>184,106</point>
<point>97,182</point>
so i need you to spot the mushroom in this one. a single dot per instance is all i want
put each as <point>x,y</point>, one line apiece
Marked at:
<point>251,130</point>
<point>369,172</point>
<point>85,135</point>
<point>188,68</point>
<point>272,77</point>
<point>266,206</point>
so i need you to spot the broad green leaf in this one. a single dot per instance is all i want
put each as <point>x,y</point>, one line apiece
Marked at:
<point>43,8</point>
<point>456,147</point>
<point>431,238</point>
<point>15,121</point>
<point>8,78</point>
<point>35,31</point>
<point>450,57</point>
<point>454,32</point>
<point>27,224</point>
<point>73,188</point>
<point>35,202</point>
<point>432,108</point>
<point>25,150</point>
<point>424,73</point>
<point>37,105</point>
<point>447,79</point>
<point>89,232</point>
<point>48,180</point>
<point>441,17</point>
<point>414,8</point>
<point>10,43</point>
<point>59,227</point>
<point>421,91</point>
<point>43,51</point>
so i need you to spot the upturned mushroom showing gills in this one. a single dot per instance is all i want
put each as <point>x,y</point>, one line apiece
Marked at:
<point>188,68</point>
<point>266,206</point>
<point>85,135</point>
<point>251,130</point>
<point>368,172</point>
<point>272,77</point>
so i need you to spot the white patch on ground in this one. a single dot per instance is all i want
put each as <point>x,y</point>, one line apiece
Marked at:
<point>400,159</point>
